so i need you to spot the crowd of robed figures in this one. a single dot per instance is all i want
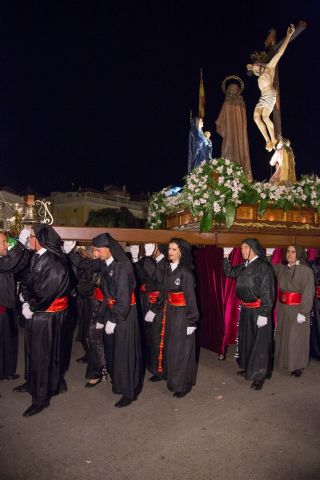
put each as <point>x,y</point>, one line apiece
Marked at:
<point>137,310</point>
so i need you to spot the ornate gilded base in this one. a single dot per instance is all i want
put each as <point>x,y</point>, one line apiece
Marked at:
<point>247,218</point>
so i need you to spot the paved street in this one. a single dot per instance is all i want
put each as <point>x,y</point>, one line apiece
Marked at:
<point>221,430</point>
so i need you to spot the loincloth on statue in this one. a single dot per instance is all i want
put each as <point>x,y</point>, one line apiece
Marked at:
<point>268,100</point>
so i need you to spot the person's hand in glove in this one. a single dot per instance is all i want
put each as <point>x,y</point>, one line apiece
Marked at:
<point>99,326</point>
<point>110,326</point>
<point>134,250</point>
<point>26,312</point>
<point>149,248</point>
<point>262,321</point>
<point>68,245</point>
<point>301,318</point>
<point>227,251</point>
<point>190,330</point>
<point>149,316</point>
<point>24,237</point>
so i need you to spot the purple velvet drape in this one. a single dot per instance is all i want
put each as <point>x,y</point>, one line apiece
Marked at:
<point>210,284</point>
<point>217,301</point>
<point>231,303</point>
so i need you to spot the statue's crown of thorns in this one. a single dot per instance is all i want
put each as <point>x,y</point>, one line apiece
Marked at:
<point>259,57</point>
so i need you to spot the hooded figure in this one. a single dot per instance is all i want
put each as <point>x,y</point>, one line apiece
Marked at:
<point>296,285</point>
<point>46,295</point>
<point>198,144</point>
<point>255,289</point>
<point>117,284</point>
<point>175,310</point>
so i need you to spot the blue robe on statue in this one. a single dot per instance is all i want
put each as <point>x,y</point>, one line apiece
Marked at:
<point>198,146</point>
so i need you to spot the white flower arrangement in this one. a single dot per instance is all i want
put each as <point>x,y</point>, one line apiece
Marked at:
<point>215,189</point>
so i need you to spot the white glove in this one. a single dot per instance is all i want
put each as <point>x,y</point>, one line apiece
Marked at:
<point>110,326</point>
<point>227,251</point>
<point>190,330</point>
<point>262,321</point>
<point>149,248</point>
<point>149,316</point>
<point>301,318</point>
<point>134,250</point>
<point>26,312</point>
<point>24,236</point>
<point>99,326</point>
<point>21,297</point>
<point>269,252</point>
<point>68,245</point>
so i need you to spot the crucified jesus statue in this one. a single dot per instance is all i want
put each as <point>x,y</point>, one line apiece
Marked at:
<point>265,73</point>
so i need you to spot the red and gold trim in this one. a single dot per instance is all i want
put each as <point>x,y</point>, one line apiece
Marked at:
<point>318,291</point>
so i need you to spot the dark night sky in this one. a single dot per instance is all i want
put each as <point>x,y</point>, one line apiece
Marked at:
<point>99,93</point>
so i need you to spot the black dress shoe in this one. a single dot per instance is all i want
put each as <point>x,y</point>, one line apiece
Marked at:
<point>10,377</point>
<point>155,378</point>
<point>242,373</point>
<point>296,373</point>
<point>82,359</point>
<point>91,385</point>
<point>256,385</point>
<point>21,388</point>
<point>34,410</point>
<point>124,402</point>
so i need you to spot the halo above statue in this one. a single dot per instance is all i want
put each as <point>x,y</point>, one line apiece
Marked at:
<point>224,85</point>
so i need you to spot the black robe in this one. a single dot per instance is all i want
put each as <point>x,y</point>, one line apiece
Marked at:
<point>16,259</point>
<point>153,329</point>
<point>119,284</point>
<point>48,332</point>
<point>255,345</point>
<point>91,311</point>
<point>315,315</point>
<point>178,362</point>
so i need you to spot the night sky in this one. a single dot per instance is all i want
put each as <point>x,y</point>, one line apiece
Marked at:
<point>96,93</point>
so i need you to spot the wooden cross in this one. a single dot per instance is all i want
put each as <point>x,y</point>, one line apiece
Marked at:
<point>272,48</point>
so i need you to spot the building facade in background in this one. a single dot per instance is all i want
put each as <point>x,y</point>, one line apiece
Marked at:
<point>73,208</point>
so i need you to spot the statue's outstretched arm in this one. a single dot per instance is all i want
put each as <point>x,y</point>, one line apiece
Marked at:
<point>275,59</point>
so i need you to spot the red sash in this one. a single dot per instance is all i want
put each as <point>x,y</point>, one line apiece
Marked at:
<point>176,299</point>
<point>318,292</point>
<point>58,305</point>
<point>143,288</point>
<point>98,295</point>
<point>290,298</point>
<point>255,304</point>
<point>153,296</point>
<point>3,309</point>
<point>112,301</point>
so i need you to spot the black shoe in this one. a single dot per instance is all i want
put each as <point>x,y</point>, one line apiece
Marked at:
<point>269,375</point>
<point>256,385</point>
<point>296,373</point>
<point>124,402</point>
<point>82,359</point>
<point>242,373</point>
<point>91,385</point>
<point>21,388</point>
<point>155,378</point>
<point>10,377</point>
<point>34,410</point>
